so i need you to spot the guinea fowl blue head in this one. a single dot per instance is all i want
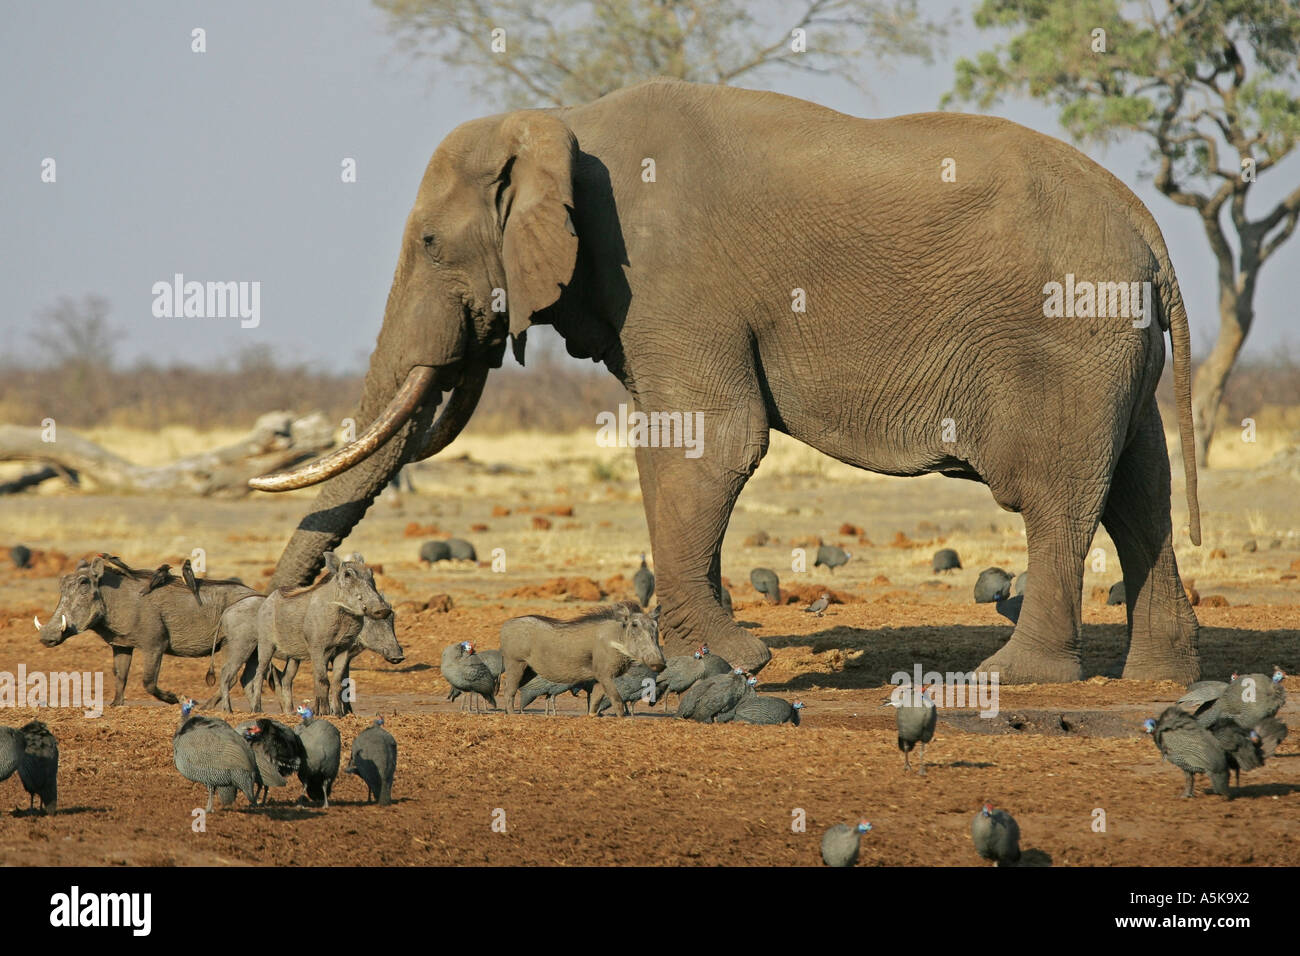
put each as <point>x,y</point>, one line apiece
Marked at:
<point>751,681</point>
<point>304,711</point>
<point>1255,738</point>
<point>704,649</point>
<point>987,810</point>
<point>187,707</point>
<point>863,826</point>
<point>1149,725</point>
<point>1279,675</point>
<point>738,671</point>
<point>379,722</point>
<point>797,705</point>
<point>467,647</point>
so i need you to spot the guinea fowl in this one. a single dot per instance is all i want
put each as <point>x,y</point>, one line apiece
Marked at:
<point>828,555</point>
<point>539,686</point>
<point>1249,699</point>
<point>21,556</point>
<point>643,583</point>
<point>996,835</point>
<point>1271,733</point>
<point>841,843</point>
<point>945,559</point>
<point>683,671</point>
<point>766,583</point>
<point>714,699</point>
<point>1242,749</point>
<point>461,550</point>
<point>322,747</point>
<point>39,770</point>
<point>431,552</point>
<point>1116,594</point>
<point>916,716</point>
<point>993,583</point>
<point>767,710</point>
<point>492,658</point>
<point>278,750</point>
<point>637,683</point>
<point>1190,747</point>
<point>211,752</point>
<point>374,760</point>
<point>467,672</point>
<point>13,745</point>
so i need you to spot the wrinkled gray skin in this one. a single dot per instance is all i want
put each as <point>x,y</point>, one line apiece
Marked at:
<point>924,304</point>
<point>328,623</point>
<point>599,646</point>
<point>98,597</point>
<point>238,633</point>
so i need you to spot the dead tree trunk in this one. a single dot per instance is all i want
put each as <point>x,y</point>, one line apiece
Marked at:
<point>277,441</point>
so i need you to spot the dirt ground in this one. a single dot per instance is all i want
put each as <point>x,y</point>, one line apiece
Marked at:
<point>651,789</point>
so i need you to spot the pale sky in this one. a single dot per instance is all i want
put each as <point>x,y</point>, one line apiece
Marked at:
<point>225,166</point>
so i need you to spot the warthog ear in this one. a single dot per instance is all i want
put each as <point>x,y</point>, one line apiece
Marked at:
<point>331,562</point>
<point>623,612</point>
<point>96,569</point>
<point>356,558</point>
<point>654,615</point>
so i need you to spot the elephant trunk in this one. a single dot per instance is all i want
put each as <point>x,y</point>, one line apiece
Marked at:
<point>345,498</point>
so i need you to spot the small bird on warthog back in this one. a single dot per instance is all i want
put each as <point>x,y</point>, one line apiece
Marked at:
<point>187,572</point>
<point>160,578</point>
<point>643,583</point>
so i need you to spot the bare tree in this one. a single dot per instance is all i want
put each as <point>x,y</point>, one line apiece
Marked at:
<point>579,50</point>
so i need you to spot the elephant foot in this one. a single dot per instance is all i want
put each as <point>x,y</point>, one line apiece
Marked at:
<point>738,647</point>
<point>1021,664</point>
<point>1182,670</point>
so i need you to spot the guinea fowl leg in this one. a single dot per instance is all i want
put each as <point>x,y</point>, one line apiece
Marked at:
<point>1191,784</point>
<point>211,792</point>
<point>921,772</point>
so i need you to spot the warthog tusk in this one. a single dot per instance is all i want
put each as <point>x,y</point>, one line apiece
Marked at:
<point>63,621</point>
<point>351,611</point>
<point>37,621</point>
<point>621,648</point>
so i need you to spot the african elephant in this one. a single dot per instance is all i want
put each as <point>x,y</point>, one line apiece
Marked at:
<point>878,289</point>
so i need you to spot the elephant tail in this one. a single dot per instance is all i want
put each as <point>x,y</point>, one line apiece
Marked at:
<point>1176,316</point>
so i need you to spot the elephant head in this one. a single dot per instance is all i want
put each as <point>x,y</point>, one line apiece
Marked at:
<point>487,245</point>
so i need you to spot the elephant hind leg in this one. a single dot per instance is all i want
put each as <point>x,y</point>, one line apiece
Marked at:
<point>1162,625</point>
<point>1060,521</point>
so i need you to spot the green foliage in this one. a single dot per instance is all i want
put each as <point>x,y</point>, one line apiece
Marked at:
<point>580,50</point>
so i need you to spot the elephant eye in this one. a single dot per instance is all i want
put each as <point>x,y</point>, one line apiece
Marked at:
<point>431,245</point>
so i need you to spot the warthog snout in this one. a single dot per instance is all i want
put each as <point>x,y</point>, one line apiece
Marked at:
<point>380,614</point>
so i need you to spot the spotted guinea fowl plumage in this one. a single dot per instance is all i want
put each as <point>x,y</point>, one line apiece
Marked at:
<point>39,770</point>
<point>374,760</point>
<point>322,748</point>
<point>468,673</point>
<point>1190,747</point>
<point>916,717</point>
<point>712,697</point>
<point>1248,700</point>
<point>209,751</point>
<point>757,709</point>
<point>996,835</point>
<point>842,843</point>
<point>276,748</point>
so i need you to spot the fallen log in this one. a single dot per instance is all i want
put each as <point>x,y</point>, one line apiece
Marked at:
<point>278,441</point>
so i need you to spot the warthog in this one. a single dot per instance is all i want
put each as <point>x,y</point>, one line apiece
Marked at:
<point>106,599</point>
<point>600,646</point>
<point>329,622</point>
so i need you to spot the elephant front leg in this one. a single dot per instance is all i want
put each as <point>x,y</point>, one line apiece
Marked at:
<point>121,670</point>
<point>1162,625</point>
<point>688,504</point>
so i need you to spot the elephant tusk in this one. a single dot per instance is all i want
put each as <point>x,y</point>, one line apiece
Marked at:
<point>394,415</point>
<point>461,405</point>
<point>37,621</point>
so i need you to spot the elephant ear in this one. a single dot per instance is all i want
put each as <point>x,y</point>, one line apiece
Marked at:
<point>539,246</point>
